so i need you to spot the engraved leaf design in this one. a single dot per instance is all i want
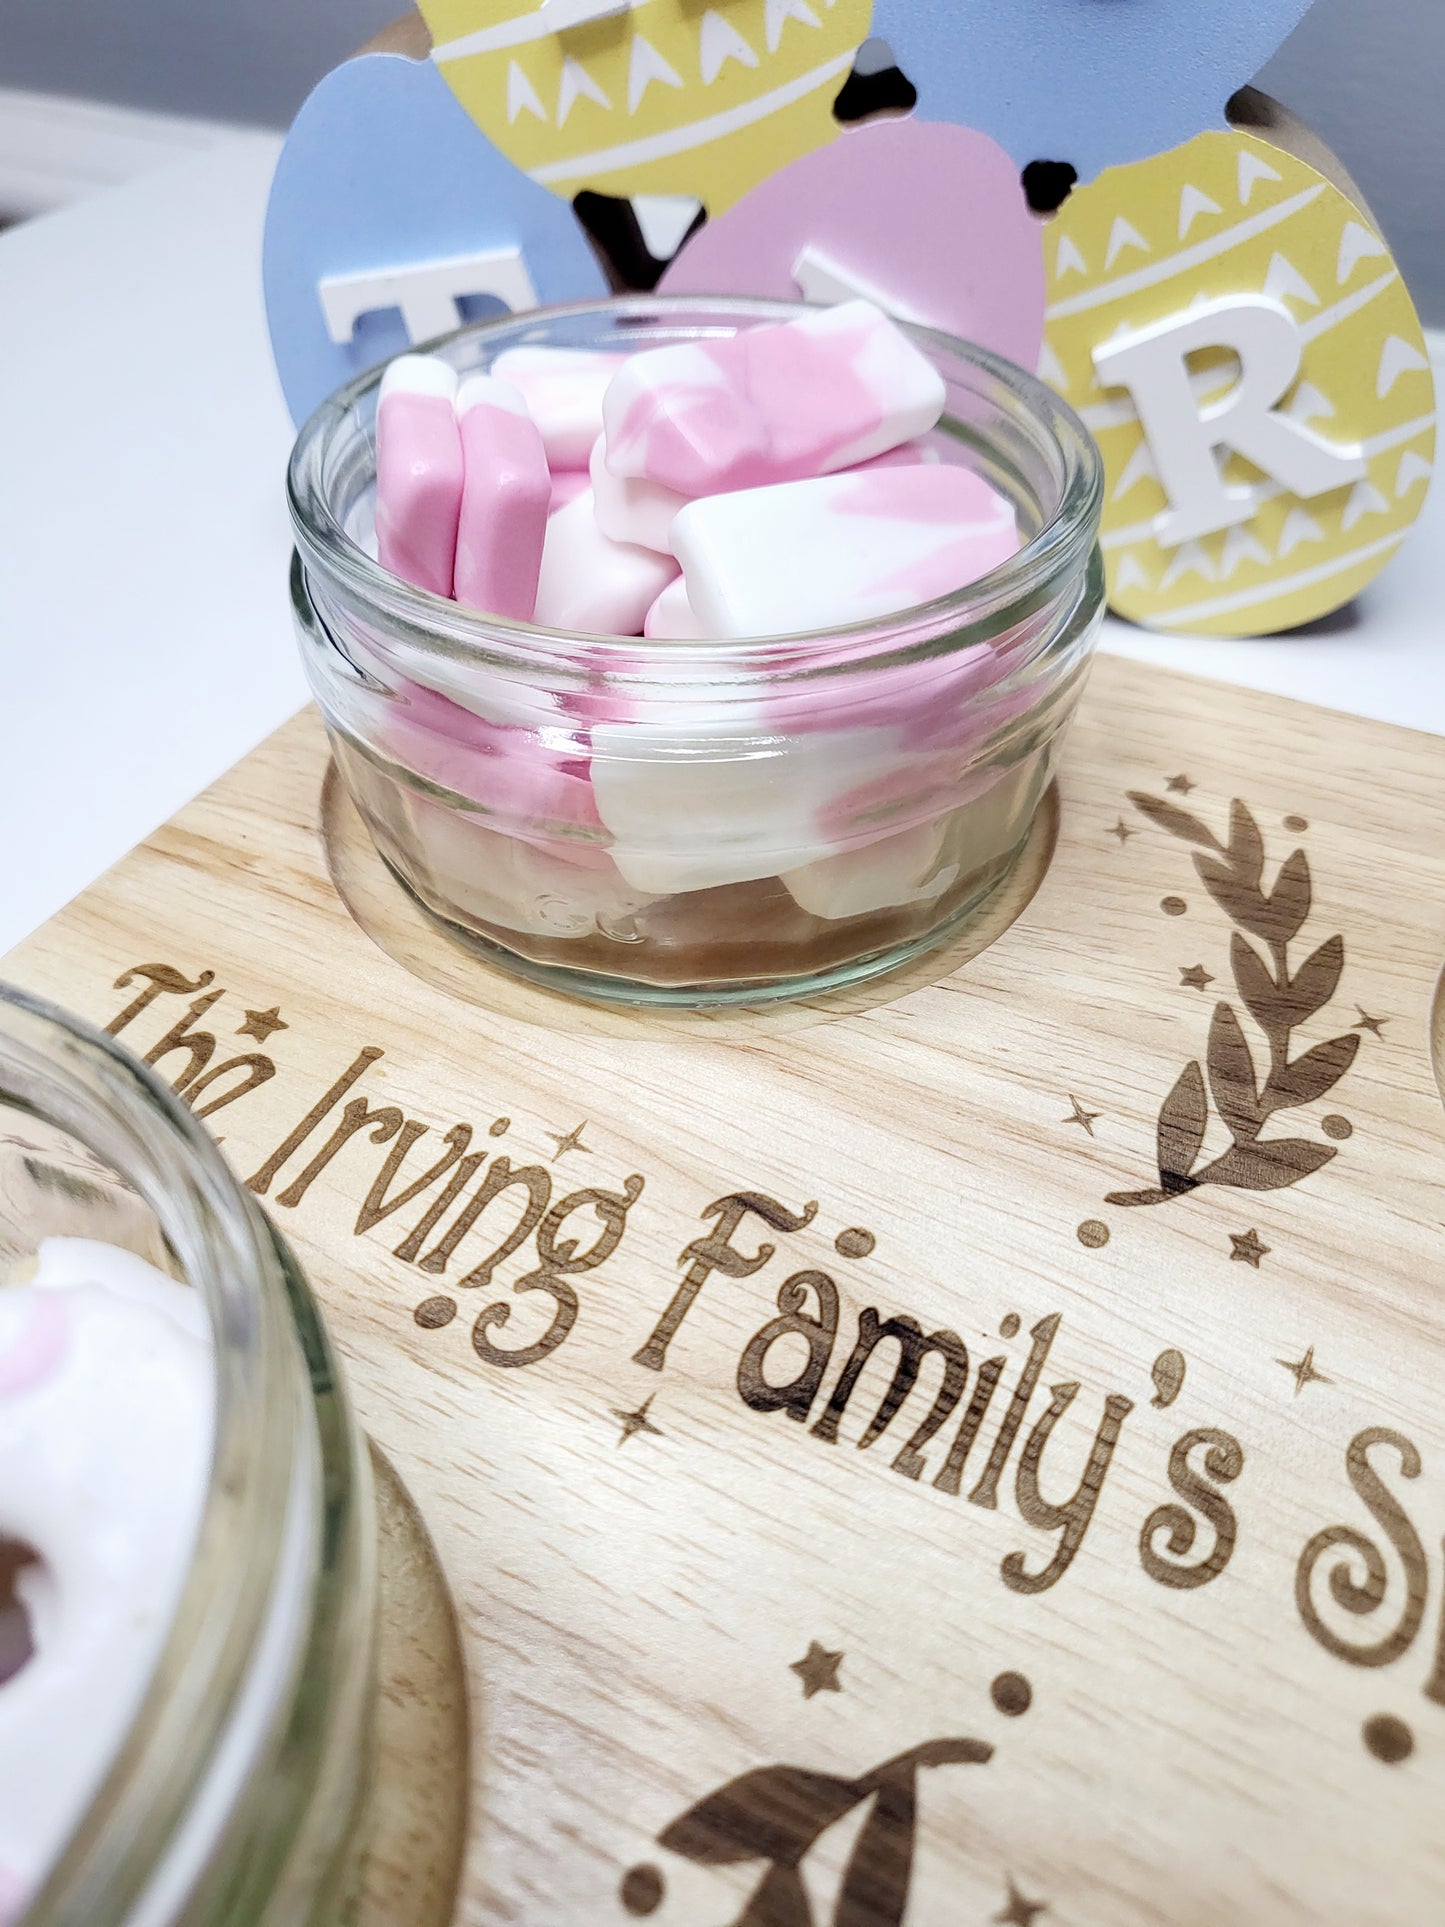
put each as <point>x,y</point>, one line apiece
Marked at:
<point>1182,1120</point>
<point>1310,1076</point>
<point>1148,1196</point>
<point>781,1900</point>
<point>1289,901</point>
<point>1257,987</point>
<point>1232,1075</point>
<point>1237,900</point>
<point>1246,845</point>
<point>1268,1165</point>
<point>1232,874</point>
<point>773,1813</point>
<point>1176,821</point>
<point>1316,980</point>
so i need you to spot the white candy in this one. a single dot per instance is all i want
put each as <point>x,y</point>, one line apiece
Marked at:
<point>703,800</point>
<point>629,509</point>
<point>772,404</point>
<point>672,617</point>
<point>806,556</point>
<point>895,870</point>
<point>107,1398</point>
<point>563,389</point>
<point>593,586</point>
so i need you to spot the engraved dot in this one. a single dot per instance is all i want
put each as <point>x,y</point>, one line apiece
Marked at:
<point>855,1242</point>
<point>1011,1694</point>
<point>1337,1127</point>
<point>1299,824</point>
<point>499,1127</point>
<point>433,1313</point>
<point>1009,1327</point>
<point>1388,1739</point>
<point>1173,906</point>
<point>642,1890</point>
<point>1093,1234</point>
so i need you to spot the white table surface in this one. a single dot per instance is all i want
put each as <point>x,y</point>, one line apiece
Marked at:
<point>144,544</point>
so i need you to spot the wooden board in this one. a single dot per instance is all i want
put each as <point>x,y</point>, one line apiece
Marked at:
<point>1166,1641</point>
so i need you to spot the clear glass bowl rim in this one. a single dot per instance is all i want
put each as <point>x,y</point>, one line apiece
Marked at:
<point>1054,556</point>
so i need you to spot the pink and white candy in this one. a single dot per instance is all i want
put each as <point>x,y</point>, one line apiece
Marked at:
<point>418,472</point>
<point>107,1398</point>
<point>506,497</point>
<point>770,404</point>
<point>820,554</point>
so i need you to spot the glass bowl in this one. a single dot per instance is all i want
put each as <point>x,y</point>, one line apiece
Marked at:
<point>236,1792</point>
<point>703,822</point>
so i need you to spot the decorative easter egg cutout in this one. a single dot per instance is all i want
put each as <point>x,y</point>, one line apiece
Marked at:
<point>392,218</point>
<point>864,216</point>
<point>1233,330</point>
<point>1092,83</point>
<point>674,97</point>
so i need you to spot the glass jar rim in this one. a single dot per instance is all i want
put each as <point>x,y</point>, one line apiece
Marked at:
<point>231,1257</point>
<point>1059,548</point>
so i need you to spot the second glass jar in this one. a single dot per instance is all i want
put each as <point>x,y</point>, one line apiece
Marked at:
<point>704,822</point>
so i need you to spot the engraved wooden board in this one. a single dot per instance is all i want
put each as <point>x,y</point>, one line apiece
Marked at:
<point>1132,1608</point>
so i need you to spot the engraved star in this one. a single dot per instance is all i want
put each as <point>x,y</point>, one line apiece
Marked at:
<point>1081,1116</point>
<point>1197,977</point>
<point>1304,1371</point>
<point>1375,1025</point>
<point>572,1141</point>
<point>260,1024</point>
<point>1181,785</point>
<point>1247,1248</point>
<point>1123,832</point>
<point>1019,1912</point>
<point>818,1670</point>
<point>638,1421</point>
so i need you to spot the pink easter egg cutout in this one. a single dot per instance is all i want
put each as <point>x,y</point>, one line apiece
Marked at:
<point>927,219</point>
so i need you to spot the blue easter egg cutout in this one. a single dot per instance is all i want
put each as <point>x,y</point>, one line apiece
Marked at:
<point>392,219</point>
<point>1090,83</point>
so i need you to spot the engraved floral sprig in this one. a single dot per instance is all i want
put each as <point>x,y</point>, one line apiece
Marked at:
<point>1277,998</point>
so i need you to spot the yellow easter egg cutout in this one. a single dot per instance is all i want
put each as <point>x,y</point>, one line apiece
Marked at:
<point>703,98</point>
<point>1233,330</point>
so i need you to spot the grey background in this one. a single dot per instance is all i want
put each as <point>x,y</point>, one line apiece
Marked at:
<point>1366,74</point>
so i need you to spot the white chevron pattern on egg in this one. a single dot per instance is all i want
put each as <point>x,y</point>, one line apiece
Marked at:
<point>1068,260</point>
<point>1123,235</point>
<point>1284,282</point>
<point>522,96</point>
<point>1357,244</point>
<point>1365,499</point>
<point>1251,171</point>
<point>1397,357</point>
<point>1131,573</point>
<point>1299,526</point>
<point>779,12</point>
<point>646,66</point>
<point>1193,202</point>
<point>1190,559</point>
<point>718,41</point>
<point>576,84</point>
<point>1241,544</point>
<point>1413,468</point>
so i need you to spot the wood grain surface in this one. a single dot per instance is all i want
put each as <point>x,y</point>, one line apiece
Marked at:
<point>1132,1608</point>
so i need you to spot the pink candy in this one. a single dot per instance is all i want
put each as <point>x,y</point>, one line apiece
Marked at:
<point>506,494</point>
<point>418,472</point>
